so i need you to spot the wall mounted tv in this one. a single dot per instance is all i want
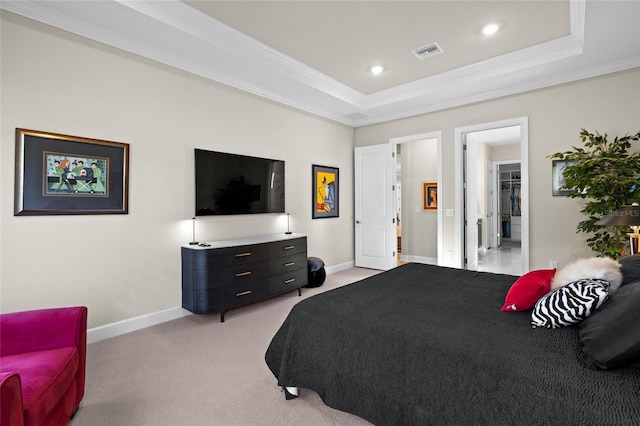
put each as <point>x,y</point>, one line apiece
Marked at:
<point>228,184</point>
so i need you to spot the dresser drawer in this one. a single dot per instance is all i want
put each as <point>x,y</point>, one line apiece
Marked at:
<point>289,281</point>
<point>224,276</point>
<point>286,264</point>
<point>240,255</point>
<point>287,247</point>
<point>236,272</point>
<point>214,300</point>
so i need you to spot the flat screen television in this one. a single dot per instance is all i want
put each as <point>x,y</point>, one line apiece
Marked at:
<point>228,184</point>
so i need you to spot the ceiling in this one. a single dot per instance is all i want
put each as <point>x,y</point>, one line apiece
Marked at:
<point>315,55</point>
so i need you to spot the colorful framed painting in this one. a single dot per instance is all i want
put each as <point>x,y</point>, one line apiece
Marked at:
<point>557,177</point>
<point>325,192</point>
<point>60,174</point>
<point>430,195</point>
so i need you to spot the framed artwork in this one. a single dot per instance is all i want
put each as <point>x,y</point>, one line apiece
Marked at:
<point>430,195</point>
<point>557,177</point>
<point>60,174</point>
<point>325,190</point>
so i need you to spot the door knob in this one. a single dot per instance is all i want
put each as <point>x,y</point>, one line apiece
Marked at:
<point>358,222</point>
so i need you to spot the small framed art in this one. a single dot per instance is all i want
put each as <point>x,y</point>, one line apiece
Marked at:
<point>326,185</point>
<point>60,174</point>
<point>430,195</point>
<point>557,177</point>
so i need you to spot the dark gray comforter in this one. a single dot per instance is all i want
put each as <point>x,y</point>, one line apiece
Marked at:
<point>422,344</point>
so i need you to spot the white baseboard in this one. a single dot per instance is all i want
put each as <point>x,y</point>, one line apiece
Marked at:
<point>133,324</point>
<point>337,268</point>
<point>420,259</point>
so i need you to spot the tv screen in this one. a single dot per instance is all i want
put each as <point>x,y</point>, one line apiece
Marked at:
<point>229,184</point>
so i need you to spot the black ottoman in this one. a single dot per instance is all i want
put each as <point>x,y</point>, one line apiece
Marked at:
<point>316,273</point>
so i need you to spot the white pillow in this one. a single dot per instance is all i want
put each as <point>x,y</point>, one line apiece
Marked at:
<point>597,268</point>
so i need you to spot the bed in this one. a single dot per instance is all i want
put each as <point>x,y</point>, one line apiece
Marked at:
<point>422,344</point>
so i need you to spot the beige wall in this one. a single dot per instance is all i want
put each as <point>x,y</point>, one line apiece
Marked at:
<point>608,104</point>
<point>123,266</point>
<point>420,227</point>
<point>504,152</point>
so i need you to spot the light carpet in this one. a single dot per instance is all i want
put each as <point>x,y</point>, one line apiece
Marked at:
<point>198,371</point>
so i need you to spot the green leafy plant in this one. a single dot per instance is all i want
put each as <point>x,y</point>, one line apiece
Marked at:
<point>607,176</point>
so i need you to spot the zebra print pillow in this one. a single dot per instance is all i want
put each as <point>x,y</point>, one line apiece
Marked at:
<point>569,304</point>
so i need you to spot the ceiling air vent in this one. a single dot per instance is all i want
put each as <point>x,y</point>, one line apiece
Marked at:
<point>428,51</point>
<point>355,116</point>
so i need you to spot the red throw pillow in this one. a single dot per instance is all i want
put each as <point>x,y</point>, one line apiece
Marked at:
<point>528,289</point>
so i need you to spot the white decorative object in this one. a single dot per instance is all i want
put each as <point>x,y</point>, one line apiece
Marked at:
<point>598,268</point>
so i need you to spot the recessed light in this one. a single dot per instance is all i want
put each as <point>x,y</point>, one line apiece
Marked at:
<point>377,69</point>
<point>490,29</point>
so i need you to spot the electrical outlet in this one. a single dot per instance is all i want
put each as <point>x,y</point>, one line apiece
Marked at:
<point>553,264</point>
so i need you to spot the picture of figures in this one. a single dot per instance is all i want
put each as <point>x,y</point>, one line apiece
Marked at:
<point>429,195</point>
<point>62,174</point>
<point>75,175</point>
<point>325,192</point>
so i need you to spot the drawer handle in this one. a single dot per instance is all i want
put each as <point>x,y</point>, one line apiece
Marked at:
<point>289,281</point>
<point>243,274</point>
<point>290,264</point>
<point>289,247</point>
<point>243,293</point>
<point>243,254</point>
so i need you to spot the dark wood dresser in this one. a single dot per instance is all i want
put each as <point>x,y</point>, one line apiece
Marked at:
<point>227,274</point>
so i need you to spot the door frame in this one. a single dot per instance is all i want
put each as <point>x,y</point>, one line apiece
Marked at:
<point>437,135</point>
<point>459,140</point>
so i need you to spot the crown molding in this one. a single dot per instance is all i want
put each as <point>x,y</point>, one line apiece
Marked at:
<point>173,33</point>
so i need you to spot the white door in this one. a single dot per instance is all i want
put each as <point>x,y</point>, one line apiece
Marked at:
<point>374,207</point>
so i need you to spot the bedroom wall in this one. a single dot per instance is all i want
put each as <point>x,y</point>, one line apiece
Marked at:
<point>608,104</point>
<point>504,152</point>
<point>420,227</point>
<point>124,266</point>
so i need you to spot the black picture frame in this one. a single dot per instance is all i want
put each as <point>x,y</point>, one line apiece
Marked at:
<point>325,192</point>
<point>58,174</point>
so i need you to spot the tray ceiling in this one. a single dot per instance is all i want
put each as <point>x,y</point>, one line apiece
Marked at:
<point>316,55</point>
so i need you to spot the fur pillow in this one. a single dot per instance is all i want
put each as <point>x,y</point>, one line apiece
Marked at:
<point>596,268</point>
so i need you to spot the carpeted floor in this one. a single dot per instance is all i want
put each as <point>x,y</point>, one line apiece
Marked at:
<point>198,371</point>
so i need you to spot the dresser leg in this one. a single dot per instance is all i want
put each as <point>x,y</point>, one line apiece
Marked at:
<point>299,291</point>
<point>222,316</point>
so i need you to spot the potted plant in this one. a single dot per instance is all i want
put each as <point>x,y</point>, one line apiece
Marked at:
<point>607,176</point>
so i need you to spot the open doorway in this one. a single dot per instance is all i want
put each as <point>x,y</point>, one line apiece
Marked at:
<point>500,241</point>
<point>418,229</point>
<point>493,168</point>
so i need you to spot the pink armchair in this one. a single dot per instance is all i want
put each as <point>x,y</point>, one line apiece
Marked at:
<point>42,365</point>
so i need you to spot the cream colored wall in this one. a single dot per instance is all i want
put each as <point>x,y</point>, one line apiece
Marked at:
<point>504,152</point>
<point>420,227</point>
<point>123,266</point>
<point>609,104</point>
